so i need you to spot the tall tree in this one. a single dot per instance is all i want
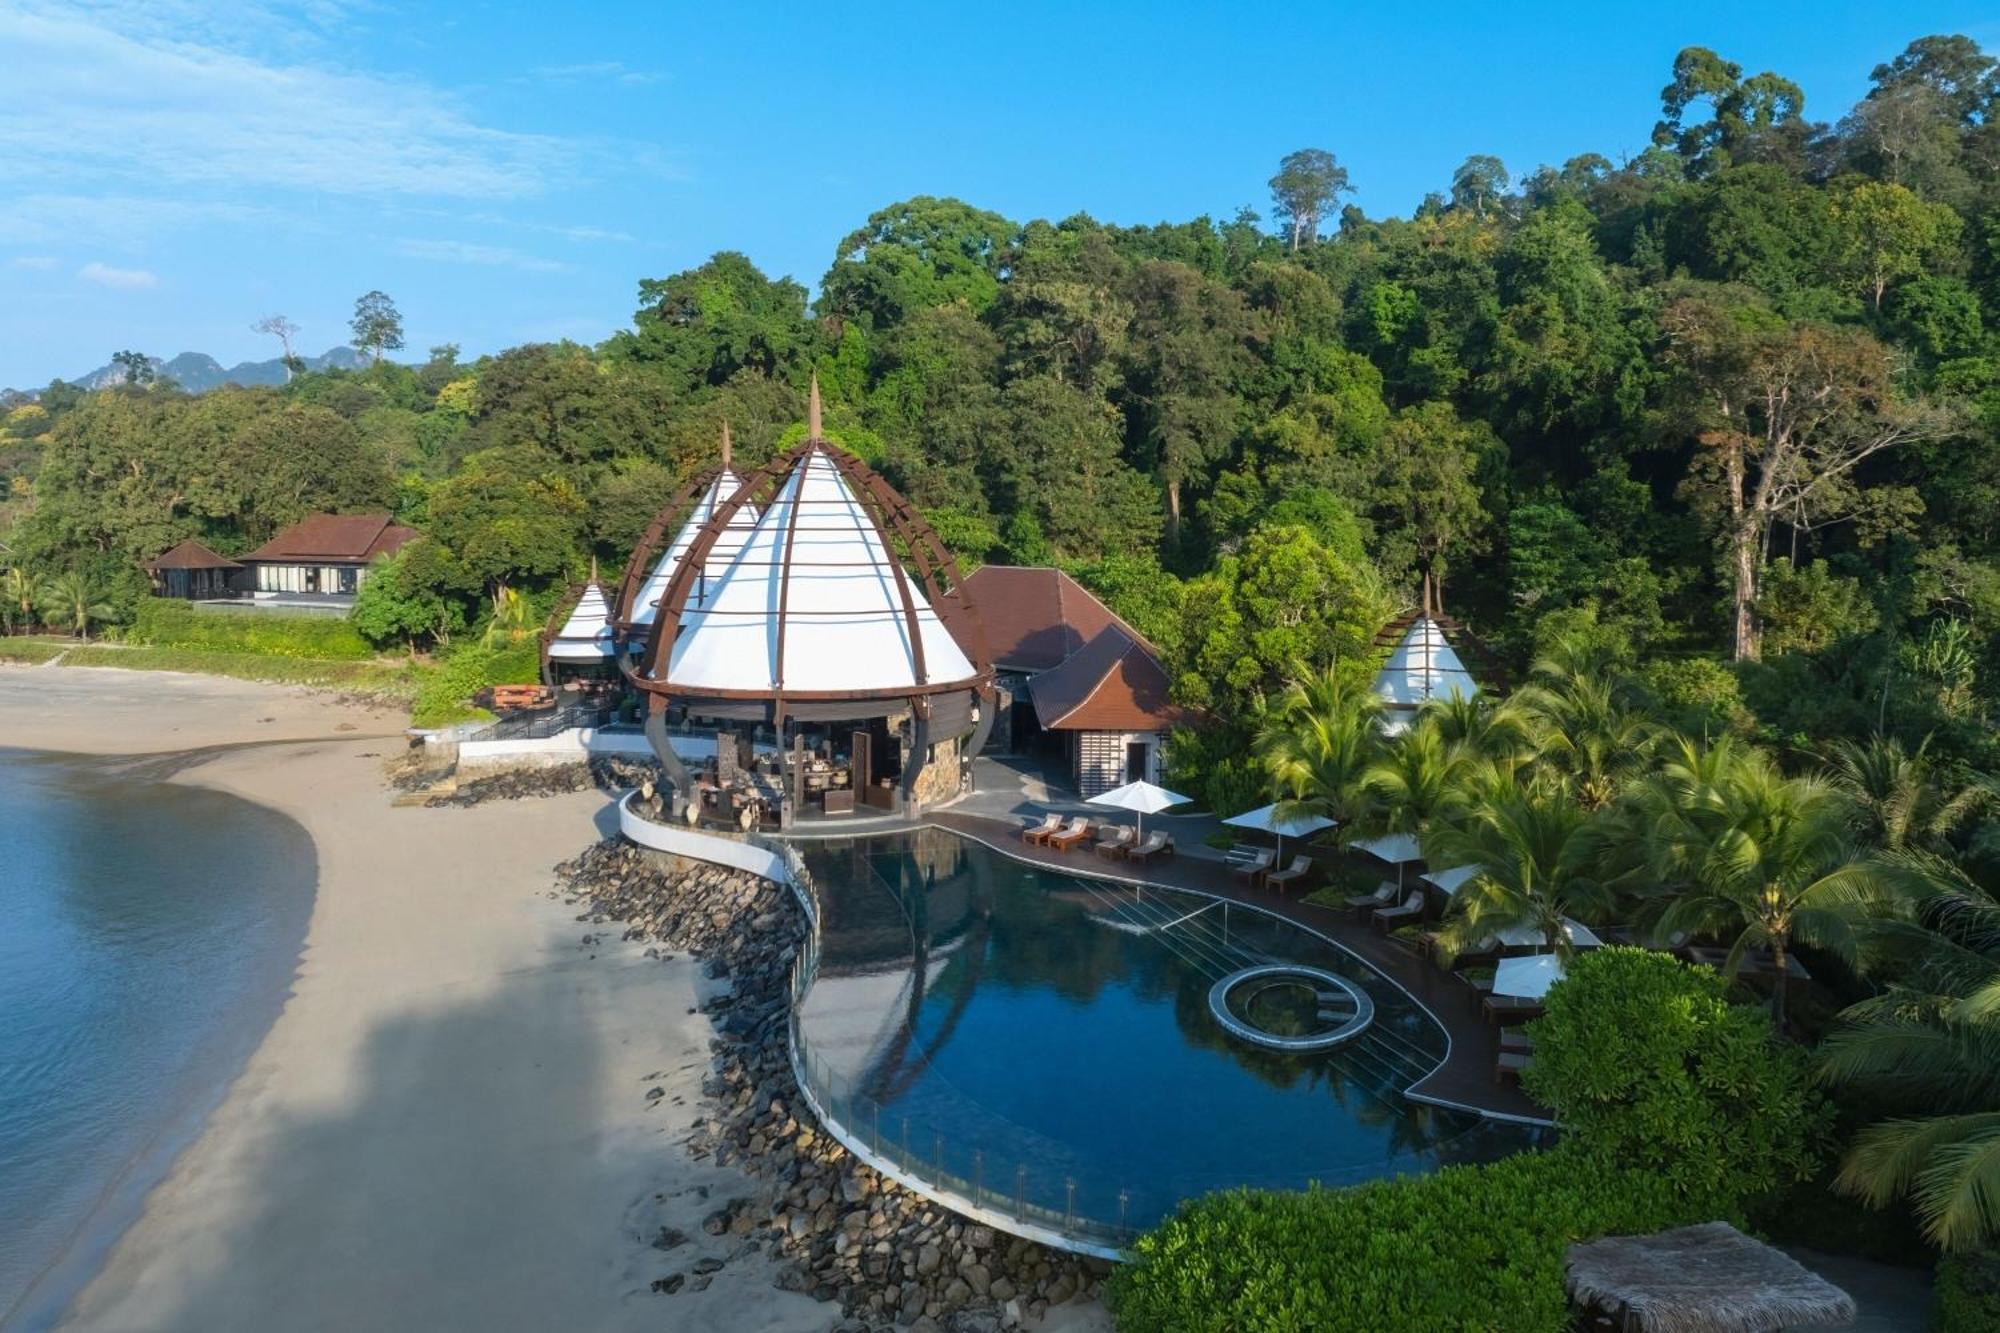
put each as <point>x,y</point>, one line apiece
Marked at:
<point>281,328</point>
<point>135,369</point>
<point>1741,110</point>
<point>1787,413</point>
<point>377,325</point>
<point>1308,183</point>
<point>1479,180</point>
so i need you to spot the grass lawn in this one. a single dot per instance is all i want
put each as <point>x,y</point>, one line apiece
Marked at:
<point>32,650</point>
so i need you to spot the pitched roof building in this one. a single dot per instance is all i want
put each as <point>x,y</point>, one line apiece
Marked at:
<point>646,578</point>
<point>333,539</point>
<point>191,570</point>
<point>1075,672</point>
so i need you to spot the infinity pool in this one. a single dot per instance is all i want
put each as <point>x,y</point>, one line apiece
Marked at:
<point>1044,1041</point>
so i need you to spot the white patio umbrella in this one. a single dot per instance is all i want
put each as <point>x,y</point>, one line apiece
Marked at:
<point>1142,798</point>
<point>1451,879</point>
<point>1520,937</point>
<point>1265,820</point>
<point>1397,849</point>
<point>1527,978</point>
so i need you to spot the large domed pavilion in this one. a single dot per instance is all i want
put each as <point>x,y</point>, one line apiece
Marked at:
<point>814,600</point>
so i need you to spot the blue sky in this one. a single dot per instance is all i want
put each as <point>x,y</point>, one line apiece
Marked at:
<point>509,171</point>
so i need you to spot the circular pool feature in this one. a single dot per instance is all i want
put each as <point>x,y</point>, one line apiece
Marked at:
<point>1290,1008</point>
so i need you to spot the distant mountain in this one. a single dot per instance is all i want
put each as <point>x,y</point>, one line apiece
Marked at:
<point>197,372</point>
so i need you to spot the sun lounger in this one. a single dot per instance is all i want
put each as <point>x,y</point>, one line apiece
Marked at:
<point>1504,1008</point>
<point>1156,844</point>
<point>1253,870</point>
<point>1300,867</point>
<point>1038,832</point>
<point>1516,1039</point>
<point>1115,842</point>
<point>1412,907</point>
<point>1364,903</point>
<point>1078,830</point>
<point>1510,1064</point>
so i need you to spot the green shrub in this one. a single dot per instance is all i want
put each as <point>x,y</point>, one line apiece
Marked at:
<point>445,692</point>
<point>167,623</point>
<point>1646,1064</point>
<point>1467,1248</point>
<point>1968,1294</point>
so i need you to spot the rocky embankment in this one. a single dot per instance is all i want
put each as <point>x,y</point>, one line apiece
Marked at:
<point>845,1233</point>
<point>605,773</point>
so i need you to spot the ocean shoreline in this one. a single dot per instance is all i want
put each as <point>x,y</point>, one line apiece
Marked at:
<point>118,1204</point>
<point>445,1125</point>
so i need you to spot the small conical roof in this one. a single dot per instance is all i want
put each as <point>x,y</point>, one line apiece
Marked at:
<point>1423,666</point>
<point>813,604</point>
<point>726,484</point>
<point>586,635</point>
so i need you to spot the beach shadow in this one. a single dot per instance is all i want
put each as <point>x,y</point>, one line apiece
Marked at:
<point>461,1171</point>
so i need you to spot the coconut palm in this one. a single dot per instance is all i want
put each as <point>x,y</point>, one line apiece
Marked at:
<point>17,597</point>
<point>1495,732</point>
<point>1586,726</point>
<point>75,600</point>
<point>1419,775</point>
<point>1900,798</point>
<point>1538,858</point>
<point>513,616</point>
<point>1738,847</point>
<point>1929,1045</point>
<point>1316,743</point>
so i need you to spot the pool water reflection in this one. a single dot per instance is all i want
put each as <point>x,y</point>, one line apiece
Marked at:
<point>1050,1037</point>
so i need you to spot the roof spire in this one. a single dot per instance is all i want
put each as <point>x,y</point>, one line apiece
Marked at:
<point>593,567</point>
<point>812,411</point>
<point>725,442</point>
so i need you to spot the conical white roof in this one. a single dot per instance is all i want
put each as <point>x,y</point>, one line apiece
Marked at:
<point>812,605</point>
<point>1423,666</point>
<point>726,546</point>
<point>586,635</point>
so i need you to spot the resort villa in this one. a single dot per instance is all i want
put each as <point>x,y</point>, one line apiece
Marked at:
<point>1069,671</point>
<point>316,565</point>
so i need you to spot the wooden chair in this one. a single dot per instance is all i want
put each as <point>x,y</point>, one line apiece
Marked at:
<point>1078,830</point>
<point>1156,844</point>
<point>1301,866</point>
<point>1253,870</point>
<point>1116,841</point>
<point>1035,833</point>
<point>1412,907</point>
<point>1361,904</point>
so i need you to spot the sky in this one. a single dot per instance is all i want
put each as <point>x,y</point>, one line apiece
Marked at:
<point>170,171</point>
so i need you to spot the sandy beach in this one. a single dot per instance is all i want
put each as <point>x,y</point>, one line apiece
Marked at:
<point>447,1125</point>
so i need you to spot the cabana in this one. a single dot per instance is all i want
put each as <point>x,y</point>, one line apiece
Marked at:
<point>1422,664</point>
<point>646,577</point>
<point>872,675</point>
<point>1709,1278</point>
<point>577,643</point>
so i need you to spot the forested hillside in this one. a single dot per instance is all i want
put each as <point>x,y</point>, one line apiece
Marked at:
<point>1735,402</point>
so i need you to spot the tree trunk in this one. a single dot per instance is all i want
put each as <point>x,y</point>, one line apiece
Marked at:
<point>1173,510</point>
<point>1744,601</point>
<point>1778,985</point>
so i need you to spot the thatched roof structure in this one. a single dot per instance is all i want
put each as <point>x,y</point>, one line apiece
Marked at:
<point>1702,1279</point>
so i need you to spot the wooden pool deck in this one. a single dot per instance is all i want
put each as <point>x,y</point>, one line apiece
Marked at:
<point>1466,1078</point>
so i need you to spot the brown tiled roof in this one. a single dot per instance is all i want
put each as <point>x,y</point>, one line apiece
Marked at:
<point>1112,683</point>
<point>191,554</point>
<point>355,538</point>
<point>1036,617</point>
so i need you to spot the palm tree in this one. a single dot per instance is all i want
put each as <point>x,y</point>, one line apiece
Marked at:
<point>1900,799</point>
<point>513,616</point>
<point>1738,846</point>
<point>1538,858</point>
<point>1586,728</point>
<point>1316,743</point>
<point>74,599</point>
<point>1419,775</point>
<point>1497,733</point>
<point>1929,1045</point>
<point>17,597</point>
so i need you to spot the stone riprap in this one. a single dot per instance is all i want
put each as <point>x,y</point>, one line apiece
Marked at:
<point>842,1231</point>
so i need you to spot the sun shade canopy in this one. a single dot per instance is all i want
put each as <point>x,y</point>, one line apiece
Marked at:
<point>1709,1278</point>
<point>1422,666</point>
<point>724,483</point>
<point>586,635</point>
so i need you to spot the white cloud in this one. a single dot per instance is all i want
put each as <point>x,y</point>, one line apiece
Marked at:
<point>116,220</point>
<point>596,71</point>
<point>496,256</point>
<point>139,104</point>
<point>124,279</point>
<point>34,263</point>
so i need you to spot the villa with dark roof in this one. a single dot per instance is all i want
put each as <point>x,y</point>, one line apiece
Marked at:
<point>1072,674</point>
<point>322,559</point>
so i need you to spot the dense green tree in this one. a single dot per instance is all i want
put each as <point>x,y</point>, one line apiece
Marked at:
<point>1308,183</point>
<point>701,327</point>
<point>377,326</point>
<point>916,255</point>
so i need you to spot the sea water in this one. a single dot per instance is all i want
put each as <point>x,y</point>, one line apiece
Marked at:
<point>148,933</point>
